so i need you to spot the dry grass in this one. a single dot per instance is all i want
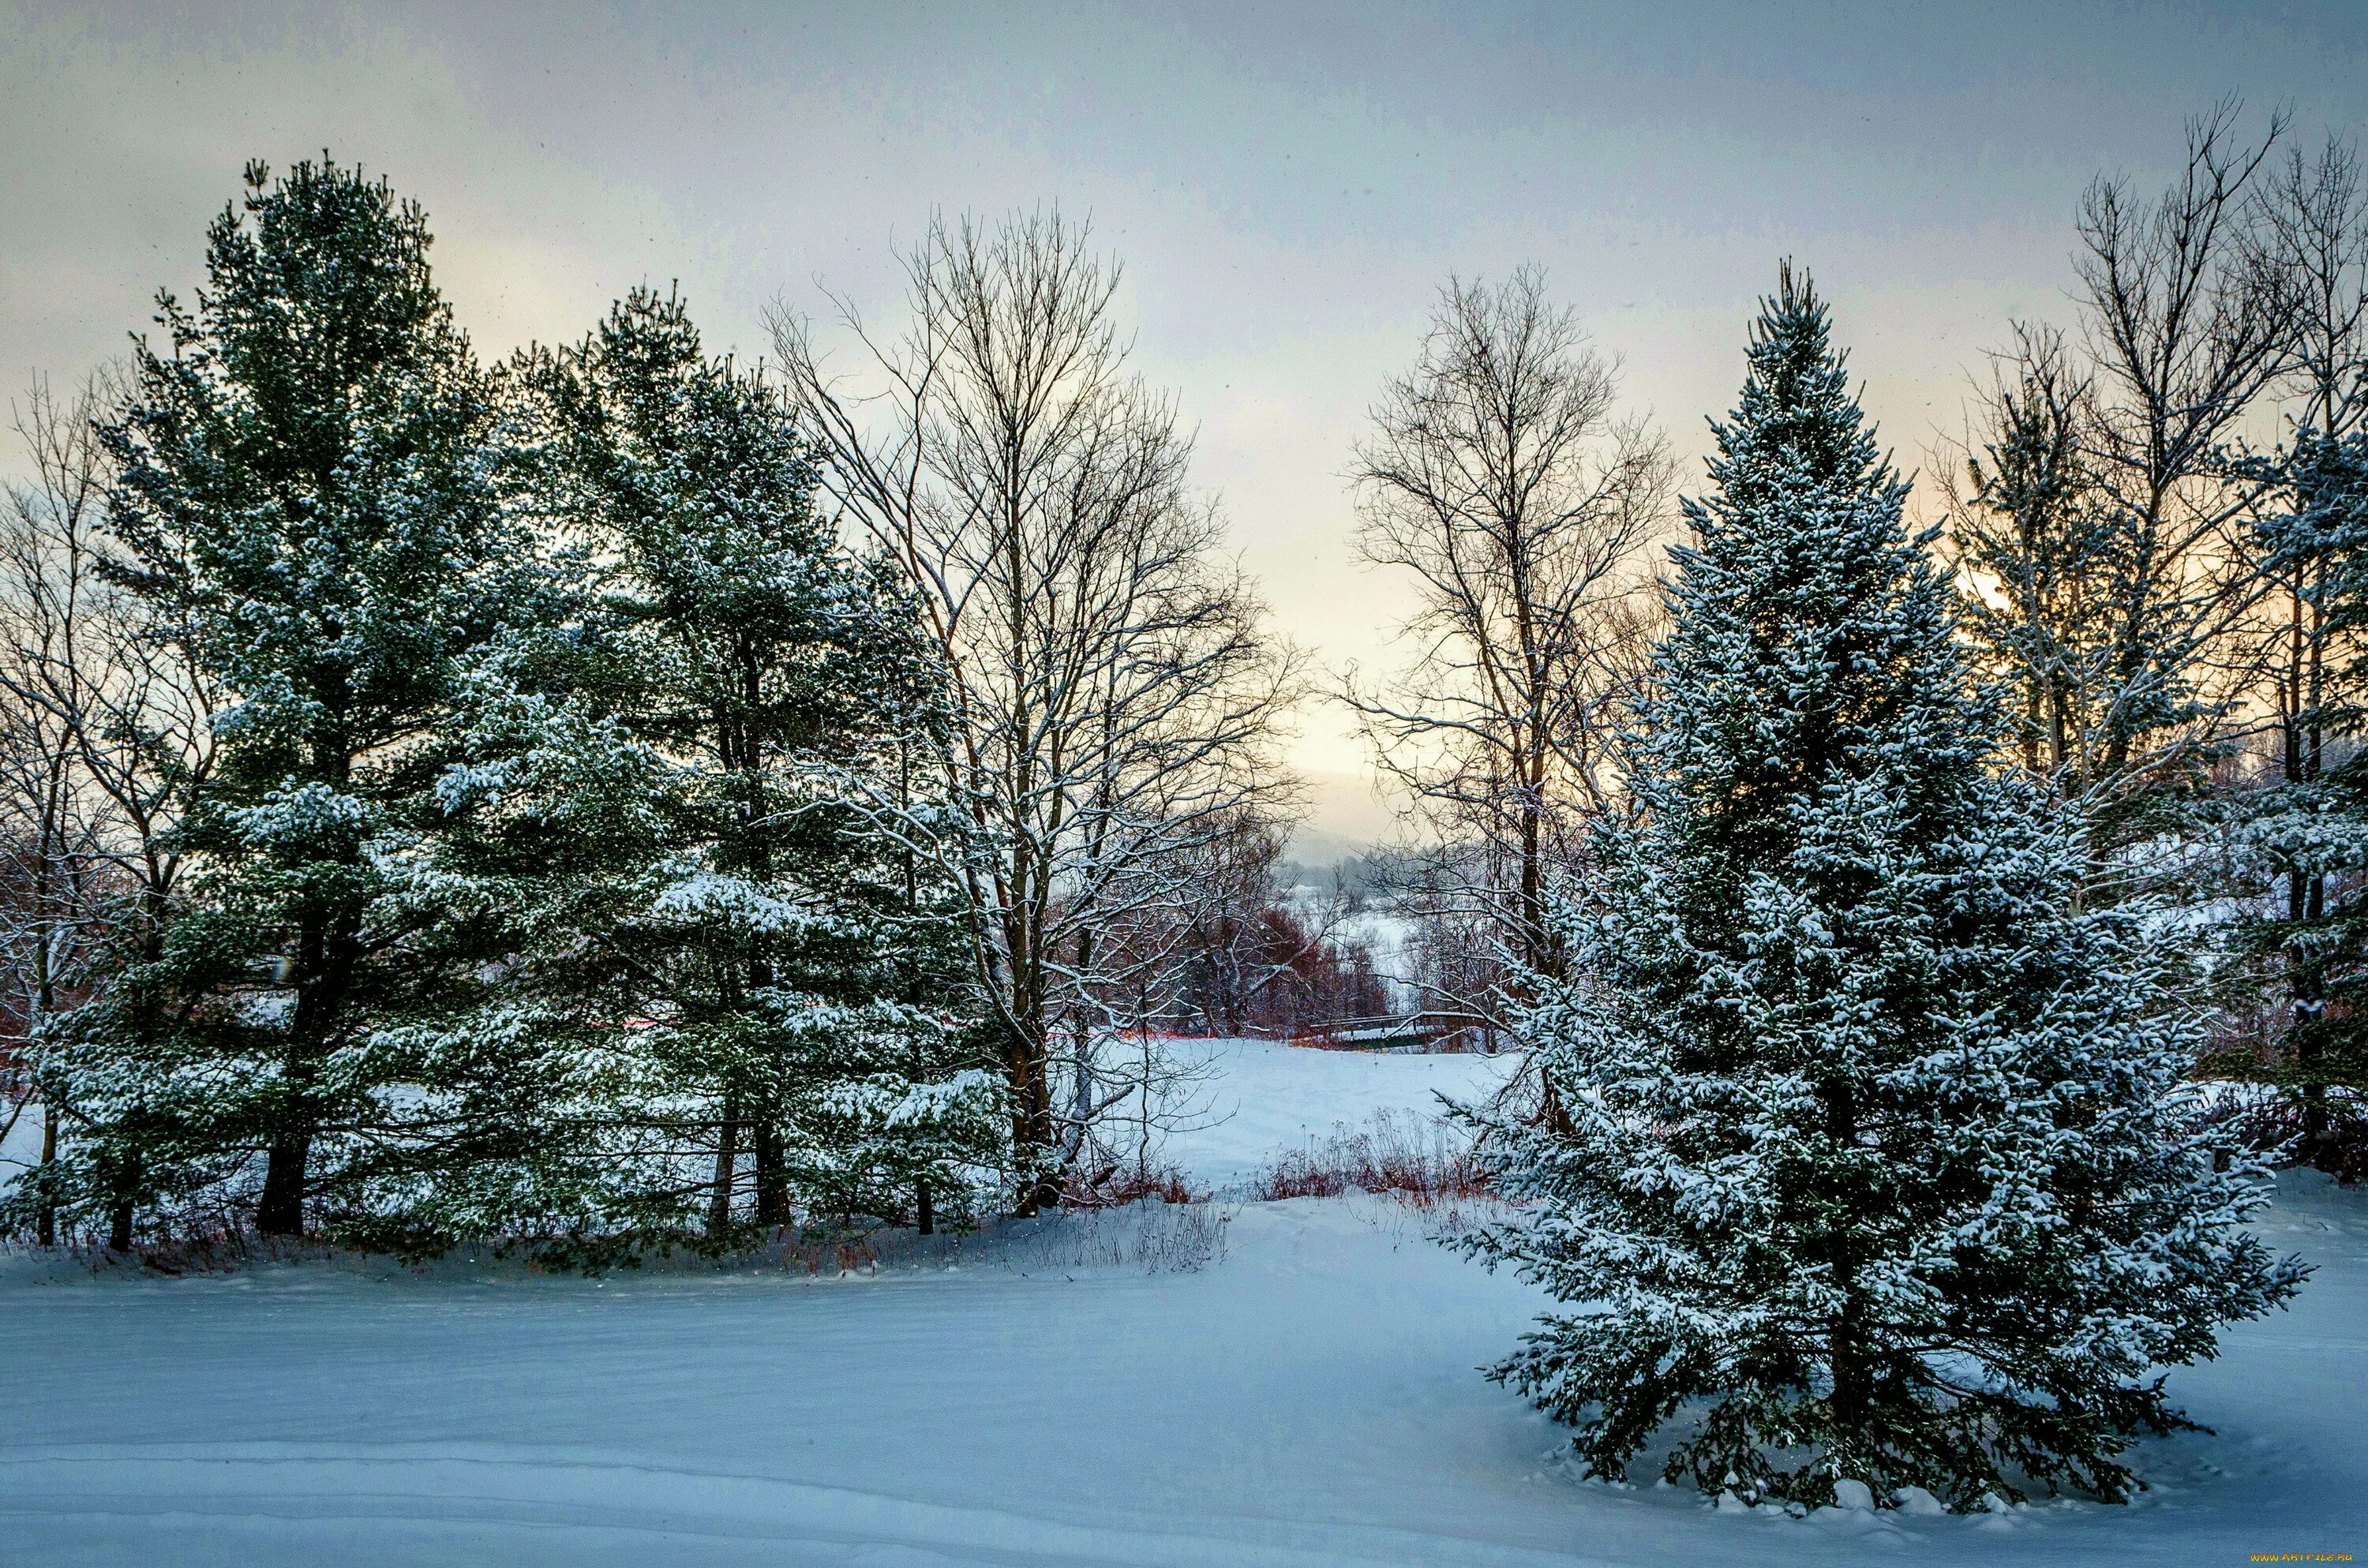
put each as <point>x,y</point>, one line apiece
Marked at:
<point>828,1256</point>
<point>1420,1162</point>
<point>1115,1186</point>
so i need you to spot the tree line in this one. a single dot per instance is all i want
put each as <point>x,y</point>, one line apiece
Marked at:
<point>1926,937</point>
<point>1862,1146</point>
<point>2152,520</point>
<point>618,795</point>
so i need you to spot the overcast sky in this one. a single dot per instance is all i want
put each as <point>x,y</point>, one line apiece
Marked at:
<point>1286,184</point>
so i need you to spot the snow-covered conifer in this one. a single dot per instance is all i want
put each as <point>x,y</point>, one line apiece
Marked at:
<point>1866,1155</point>
<point>309,502</point>
<point>714,995</point>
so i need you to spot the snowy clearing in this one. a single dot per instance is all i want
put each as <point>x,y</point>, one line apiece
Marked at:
<point>1262,1099</point>
<point>1307,1396</point>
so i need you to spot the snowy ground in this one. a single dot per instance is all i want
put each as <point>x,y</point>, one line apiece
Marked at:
<point>20,1137</point>
<point>1306,1398</point>
<point>1262,1099</point>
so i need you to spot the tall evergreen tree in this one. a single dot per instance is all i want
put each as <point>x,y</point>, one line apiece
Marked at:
<point>310,499</point>
<point>691,949</point>
<point>1872,1154</point>
<point>2029,524</point>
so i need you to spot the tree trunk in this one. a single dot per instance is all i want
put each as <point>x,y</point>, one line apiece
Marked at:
<point>772,1175</point>
<point>727,1162</point>
<point>1026,1067</point>
<point>1553,1115</point>
<point>2310,1004</point>
<point>1537,959</point>
<point>45,1223</point>
<point>925,1216</point>
<point>325,958</point>
<point>1032,1117</point>
<point>282,1210</point>
<point>1846,1338</point>
<point>2305,891</point>
<point>45,1000</point>
<point>1853,1388</point>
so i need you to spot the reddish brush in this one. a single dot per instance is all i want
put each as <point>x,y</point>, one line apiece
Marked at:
<point>1299,1176</point>
<point>1420,1164</point>
<point>847,1257</point>
<point>1114,1186</point>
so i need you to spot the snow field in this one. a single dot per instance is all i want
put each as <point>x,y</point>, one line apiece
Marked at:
<point>1048,1395</point>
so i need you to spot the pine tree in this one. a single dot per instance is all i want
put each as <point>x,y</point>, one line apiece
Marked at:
<point>536,1111</point>
<point>2030,523</point>
<point>2305,839</point>
<point>2109,698</point>
<point>654,848</point>
<point>310,500</point>
<point>1872,1160</point>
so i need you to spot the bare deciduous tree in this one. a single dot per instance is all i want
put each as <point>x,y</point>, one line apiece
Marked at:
<point>1246,954</point>
<point>2101,509</point>
<point>46,593</point>
<point>1111,691</point>
<point>1500,477</point>
<point>107,730</point>
<point>2316,214</point>
<point>2190,319</point>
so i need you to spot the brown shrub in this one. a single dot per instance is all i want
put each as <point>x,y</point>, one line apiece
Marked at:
<point>1114,1186</point>
<point>1419,1161</point>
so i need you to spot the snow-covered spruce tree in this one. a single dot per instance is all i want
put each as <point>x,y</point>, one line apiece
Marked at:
<point>309,502</point>
<point>1871,1163</point>
<point>716,996</point>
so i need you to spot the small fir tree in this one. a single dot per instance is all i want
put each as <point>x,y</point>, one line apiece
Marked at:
<point>2108,711</point>
<point>1870,1158</point>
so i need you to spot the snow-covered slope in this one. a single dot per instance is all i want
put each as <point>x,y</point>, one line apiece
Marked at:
<point>1308,1398</point>
<point>1261,1098</point>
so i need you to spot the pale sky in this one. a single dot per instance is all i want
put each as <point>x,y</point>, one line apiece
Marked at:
<point>1287,185</point>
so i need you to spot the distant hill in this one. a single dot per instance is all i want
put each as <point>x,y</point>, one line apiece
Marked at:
<point>1345,818</point>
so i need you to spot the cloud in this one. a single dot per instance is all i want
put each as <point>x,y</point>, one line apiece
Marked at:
<point>1287,185</point>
